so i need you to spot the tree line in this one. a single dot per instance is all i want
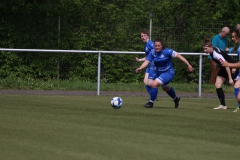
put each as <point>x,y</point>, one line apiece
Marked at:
<point>103,25</point>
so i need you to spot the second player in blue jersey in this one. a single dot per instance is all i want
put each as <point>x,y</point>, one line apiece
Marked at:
<point>150,70</point>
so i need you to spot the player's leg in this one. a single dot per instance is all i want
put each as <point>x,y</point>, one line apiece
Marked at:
<point>214,71</point>
<point>152,75</point>
<point>154,92</point>
<point>163,80</point>
<point>145,80</point>
<point>236,93</point>
<point>167,77</point>
<point>238,99</point>
<point>150,81</point>
<point>221,96</point>
<point>171,92</point>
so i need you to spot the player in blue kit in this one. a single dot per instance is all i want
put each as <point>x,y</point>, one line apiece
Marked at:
<point>162,58</point>
<point>236,39</point>
<point>150,71</point>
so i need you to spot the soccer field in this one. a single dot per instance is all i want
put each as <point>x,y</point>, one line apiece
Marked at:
<point>87,127</point>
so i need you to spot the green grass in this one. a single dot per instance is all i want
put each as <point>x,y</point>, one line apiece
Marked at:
<point>36,84</point>
<point>87,127</point>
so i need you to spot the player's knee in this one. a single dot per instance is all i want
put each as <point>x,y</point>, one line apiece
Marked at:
<point>148,82</point>
<point>218,85</point>
<point>145,82</point>
<point>155,84</point>
<point>166,88</point>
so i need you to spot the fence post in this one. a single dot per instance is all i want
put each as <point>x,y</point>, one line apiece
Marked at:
<point>99,73</point>
<point>150,27</point>
<point>58,69</point>
<point>200,77</point>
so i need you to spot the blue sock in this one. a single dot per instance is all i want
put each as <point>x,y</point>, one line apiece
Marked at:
<point>236,91</point>
<point>154,92</point>
<point>148,88</point>
<point>171,93</point>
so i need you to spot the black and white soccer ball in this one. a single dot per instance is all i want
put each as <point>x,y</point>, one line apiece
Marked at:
<point>116,102</point>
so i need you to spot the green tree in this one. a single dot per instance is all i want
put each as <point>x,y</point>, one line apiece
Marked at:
<point>103,25</point>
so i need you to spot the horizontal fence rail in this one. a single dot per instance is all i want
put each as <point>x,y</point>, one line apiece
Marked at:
<point>112,52</point>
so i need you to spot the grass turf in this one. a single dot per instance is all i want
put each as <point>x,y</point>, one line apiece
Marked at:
<point>87,127</point>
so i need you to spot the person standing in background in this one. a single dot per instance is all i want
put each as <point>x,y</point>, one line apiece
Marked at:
<point>220,41</point>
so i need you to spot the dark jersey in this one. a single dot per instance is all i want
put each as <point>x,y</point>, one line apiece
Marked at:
<point>219,56</point>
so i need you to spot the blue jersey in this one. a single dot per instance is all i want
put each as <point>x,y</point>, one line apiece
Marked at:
<point>163,59</point>
<point>238,52</point>
<point>147,49</point>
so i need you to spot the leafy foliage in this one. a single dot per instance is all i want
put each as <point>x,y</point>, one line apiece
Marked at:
<point>103,25</point>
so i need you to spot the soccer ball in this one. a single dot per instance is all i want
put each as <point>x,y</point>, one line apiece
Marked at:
<point>116,102</point>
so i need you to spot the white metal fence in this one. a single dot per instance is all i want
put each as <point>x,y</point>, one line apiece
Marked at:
<point>112,52</point>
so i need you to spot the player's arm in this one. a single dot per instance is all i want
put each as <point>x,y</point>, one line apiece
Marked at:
<point>229,75</point>
<point>140,59</point>
<point>234,66</point>
<point>231,65</point>
<point>221,60</point>
<point>148,49</point>
<point>190,68</point>
<point>144,65</point>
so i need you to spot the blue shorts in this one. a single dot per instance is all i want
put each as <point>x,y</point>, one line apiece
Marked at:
<point>151,73</point>
<point>166,77</point>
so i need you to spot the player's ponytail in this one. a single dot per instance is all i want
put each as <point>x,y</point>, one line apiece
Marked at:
<point>207,42</point>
